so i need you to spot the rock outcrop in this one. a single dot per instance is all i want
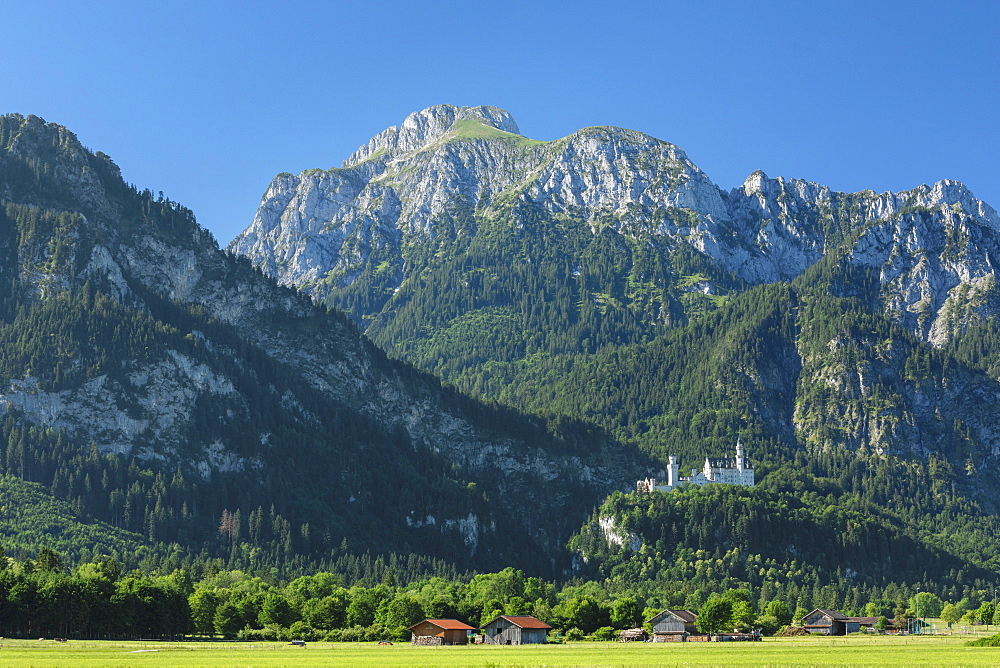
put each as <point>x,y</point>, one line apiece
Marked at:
<point>930,247</point>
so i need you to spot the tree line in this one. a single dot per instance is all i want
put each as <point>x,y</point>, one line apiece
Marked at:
<point>44,597</point>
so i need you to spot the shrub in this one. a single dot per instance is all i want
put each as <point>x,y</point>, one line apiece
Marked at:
<point>992,641</point>
<point>302,631</point>
<point>268,633</point>
<point>352,634</point>
<point>769,624</point>
<point>605,633</point>
<point>373,633</point>
<point>575,634</point>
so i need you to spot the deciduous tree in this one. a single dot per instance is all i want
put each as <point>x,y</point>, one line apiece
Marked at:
<point>715,615</point>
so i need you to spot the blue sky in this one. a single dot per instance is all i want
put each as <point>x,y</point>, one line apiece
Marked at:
<point>207,101</point>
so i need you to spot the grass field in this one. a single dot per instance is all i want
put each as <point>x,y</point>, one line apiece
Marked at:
<point>852,651</point>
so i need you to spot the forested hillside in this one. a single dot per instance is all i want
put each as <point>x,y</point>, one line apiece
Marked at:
<point>30,517</point>
<point>804,366</point>
<point>604,276</point>
<point>170,398</point>
<point>848,339</point>
<point>836,522</point>
<point>166,388</point>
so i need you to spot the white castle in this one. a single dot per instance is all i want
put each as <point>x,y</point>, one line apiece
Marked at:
<point>726,470</point>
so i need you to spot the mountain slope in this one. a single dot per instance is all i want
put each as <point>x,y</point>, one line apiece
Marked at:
<point>210,392</point>
<point>604,276</point>
<point>505,264</point>
<point>30,516</point>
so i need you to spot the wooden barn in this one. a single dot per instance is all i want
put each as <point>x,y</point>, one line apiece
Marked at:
<point>673,625</point>
<point>834,623</point>
<point>440,632</point>
<point>515,630</point>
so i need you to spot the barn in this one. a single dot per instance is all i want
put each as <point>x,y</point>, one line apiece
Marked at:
<point>440,632</point>
<point>515,630</point>
<point>833,623</point>
<point>672,625</point>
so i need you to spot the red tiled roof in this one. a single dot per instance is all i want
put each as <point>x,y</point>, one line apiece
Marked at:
<point>526,622</point>
<point>453,624</point>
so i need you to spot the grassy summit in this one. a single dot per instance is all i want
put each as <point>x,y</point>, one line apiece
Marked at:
<point>471,128</point>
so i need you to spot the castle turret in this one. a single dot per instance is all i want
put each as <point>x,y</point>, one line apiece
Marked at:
<point>725,470</point>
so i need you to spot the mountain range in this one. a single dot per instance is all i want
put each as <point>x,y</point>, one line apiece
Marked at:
<point>449,175</point>
<point>541,273</point>
<point>163,385</point>
<point>464,345</point>
<point>849,339</point>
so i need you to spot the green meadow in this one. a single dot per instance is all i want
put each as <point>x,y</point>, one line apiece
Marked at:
<point>851,651</point>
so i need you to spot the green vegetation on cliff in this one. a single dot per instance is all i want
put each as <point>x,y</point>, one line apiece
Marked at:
<point>551,313</point>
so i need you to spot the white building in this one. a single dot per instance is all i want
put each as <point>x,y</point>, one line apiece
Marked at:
<point>726,470</point>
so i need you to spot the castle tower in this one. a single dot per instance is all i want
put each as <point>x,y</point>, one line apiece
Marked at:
<point>672,472</point>
<point>740,456</point>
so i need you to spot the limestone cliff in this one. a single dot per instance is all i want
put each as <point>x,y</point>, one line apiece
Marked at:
<point>322,229</point>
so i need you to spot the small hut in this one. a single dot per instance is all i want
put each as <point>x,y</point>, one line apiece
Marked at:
<point>515,630</point>
<point>440,632</point>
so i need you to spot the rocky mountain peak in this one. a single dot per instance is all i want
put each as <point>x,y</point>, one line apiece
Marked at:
<point>28,139</point>
<point>323,230</point>
<point>957,195</point>
<point>25,134</point>
<point>427,126</point>
<point>756,183</point>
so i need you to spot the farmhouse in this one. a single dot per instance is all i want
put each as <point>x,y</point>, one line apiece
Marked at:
<point>522,630</point>
<point>440,632</point>
<point>833,623</point>
<point>673,625</point>
<point>724,470</point>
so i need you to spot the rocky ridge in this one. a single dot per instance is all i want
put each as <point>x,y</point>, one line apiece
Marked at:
<point>931,247</point>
